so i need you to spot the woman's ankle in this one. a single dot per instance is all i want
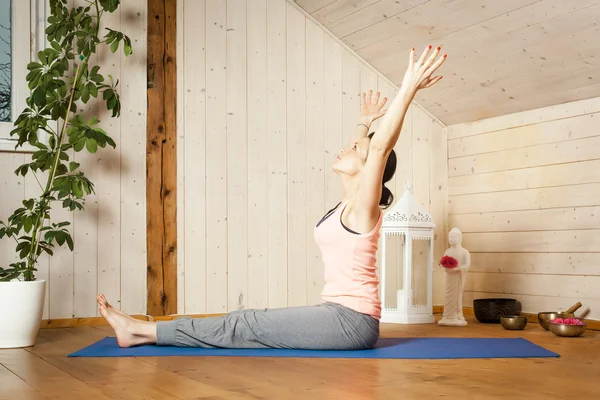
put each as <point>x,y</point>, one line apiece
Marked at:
<point>146,330</point>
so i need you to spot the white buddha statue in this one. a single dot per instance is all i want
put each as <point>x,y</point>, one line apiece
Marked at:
<point>455,281</point>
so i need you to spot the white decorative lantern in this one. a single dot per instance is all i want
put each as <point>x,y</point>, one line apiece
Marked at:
<point>409,223</point>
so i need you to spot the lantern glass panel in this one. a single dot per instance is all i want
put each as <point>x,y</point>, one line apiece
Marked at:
<point>394,261</point>
<point>420,262</point>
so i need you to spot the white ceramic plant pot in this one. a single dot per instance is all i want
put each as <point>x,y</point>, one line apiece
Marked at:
<point>21,308</point>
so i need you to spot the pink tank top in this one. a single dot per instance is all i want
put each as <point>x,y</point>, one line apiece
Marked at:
<point>350,260</point>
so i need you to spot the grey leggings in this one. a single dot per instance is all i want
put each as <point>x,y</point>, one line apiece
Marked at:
<point>327,326</point>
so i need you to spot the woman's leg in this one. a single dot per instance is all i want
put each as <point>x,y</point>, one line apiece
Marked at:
<point>328,326</point>
<point>130,332</point>
<point>320,327</point>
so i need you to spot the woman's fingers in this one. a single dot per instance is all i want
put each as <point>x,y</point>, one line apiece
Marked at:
<point>432,81</point>
<point>422,58</point>
<point>435,66</point>
<point>431,58</point>
<point>382,103</point>
<point>376,99</point>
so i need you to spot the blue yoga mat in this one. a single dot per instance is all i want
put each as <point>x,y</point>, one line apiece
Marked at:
<point>399,348</point>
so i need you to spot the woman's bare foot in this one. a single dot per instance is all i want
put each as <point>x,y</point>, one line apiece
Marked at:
<point>130,332</point>
<point>102,298</point>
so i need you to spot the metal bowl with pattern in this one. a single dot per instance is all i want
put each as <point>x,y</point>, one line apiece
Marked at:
<point>545,317</point>
<point>489,311</point>
<point>513,322</point>
<point>566,330</point>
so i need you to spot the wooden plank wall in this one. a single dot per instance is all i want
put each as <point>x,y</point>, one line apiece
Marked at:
<point>110,234</point>
<point>267,100</point>
<point>524,190</point>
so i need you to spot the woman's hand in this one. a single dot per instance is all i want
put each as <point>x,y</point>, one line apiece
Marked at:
<point>371,107</point>
<point>418,74</point>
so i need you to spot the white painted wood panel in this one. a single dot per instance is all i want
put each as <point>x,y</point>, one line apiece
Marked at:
<point>580,264</point>
<point>503,55</point>
<point>32,189</point>
<point>313,5</point>
<point>13,194</point>
<point>546,176</point>
<point>351,96</point>
<point>394,244</point>
<point>193,142</point>
<point>524,190</point>
<point>312,85</point>
<point>525,118</point>
<point>529,220</point>
<point>257,156</point>
<point>583,287</point>
<point>370,15</point>
<point>534,93</point>
<point>245,113</point>
<point>277,153</point>
<point>526,157</point>
<point>334,140</point>
<point>296,156</point>
<point>530,135</point>
<point>438,200</point>
<point>544,50</point>
<point>216,160</point>
<point>450,17</point>
<point>109,185</point>
<point>85,237</point>
<point>87,224</point>
<point>519,39</point>
<point>133,161</point>
<point>425,13</point>
<point>62,271</point>
<point>527,199</point>
<point>422,126</point>
<point>339,9</point>
<point>582,241</point>
<point>315,162</point>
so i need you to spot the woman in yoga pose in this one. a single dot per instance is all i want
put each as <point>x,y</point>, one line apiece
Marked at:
<point>347,236</point>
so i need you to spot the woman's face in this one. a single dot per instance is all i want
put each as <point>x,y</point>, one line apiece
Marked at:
<point>351,160</point>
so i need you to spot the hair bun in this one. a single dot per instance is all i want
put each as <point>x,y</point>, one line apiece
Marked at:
<point>387,198</point>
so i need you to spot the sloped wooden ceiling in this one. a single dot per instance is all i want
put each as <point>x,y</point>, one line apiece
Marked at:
<point>504,56</point>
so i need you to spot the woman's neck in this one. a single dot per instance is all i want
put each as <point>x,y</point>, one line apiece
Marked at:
<point>350,185</point>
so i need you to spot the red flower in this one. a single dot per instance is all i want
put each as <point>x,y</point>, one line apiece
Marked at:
<point>448,262</point>
<point>567,321</point>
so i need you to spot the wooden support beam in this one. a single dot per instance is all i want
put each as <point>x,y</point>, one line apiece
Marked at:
<point>161,162</point>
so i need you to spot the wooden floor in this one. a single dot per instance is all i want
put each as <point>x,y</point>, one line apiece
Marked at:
<point>43,372</point>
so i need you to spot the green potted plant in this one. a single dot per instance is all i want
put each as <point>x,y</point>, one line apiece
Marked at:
<point>62,77</point>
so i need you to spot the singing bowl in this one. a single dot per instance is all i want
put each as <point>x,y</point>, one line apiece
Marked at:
<point>567,330</point>
<point>489,311</point>
<point>513,322</point>
<point>545,317</point>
